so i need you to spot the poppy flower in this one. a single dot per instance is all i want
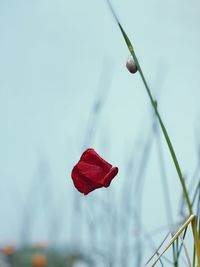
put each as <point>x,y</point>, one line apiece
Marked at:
<point>92,172</point>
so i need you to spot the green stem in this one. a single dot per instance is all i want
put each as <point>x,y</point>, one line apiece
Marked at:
<point>192,218</point>
<point>174,254</point>
<point>154,105</point>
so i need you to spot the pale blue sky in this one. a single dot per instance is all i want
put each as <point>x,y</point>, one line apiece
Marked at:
<point>52,54</point>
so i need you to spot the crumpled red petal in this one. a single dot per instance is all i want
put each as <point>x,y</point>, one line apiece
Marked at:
<point>82,184</point>
<point>92,172</point>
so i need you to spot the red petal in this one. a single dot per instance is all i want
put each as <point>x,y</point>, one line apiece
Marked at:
<point>82,184</point>
<point>90,156</point>
<point>108,178</point>
<point>93,173</point>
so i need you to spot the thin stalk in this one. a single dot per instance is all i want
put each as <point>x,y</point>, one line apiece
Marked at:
<point>198,204</point>
<point>154,105</point>
<point>194,256</point>
<point>196,239</point>
<point>186,252</point>
<point>179,251</point>
<point>168,141</point>
<point>191,220</point>
<point>176,250</point>
<point>166,192</point>
<point>171,149</point>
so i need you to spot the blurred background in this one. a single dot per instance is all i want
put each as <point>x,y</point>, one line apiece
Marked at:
<point>64,87</point>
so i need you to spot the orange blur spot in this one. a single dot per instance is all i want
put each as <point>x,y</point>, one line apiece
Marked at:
<point>8,250</point>
<point>39,261</point>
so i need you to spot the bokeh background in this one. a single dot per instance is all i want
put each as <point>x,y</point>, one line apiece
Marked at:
<point>64,87</point>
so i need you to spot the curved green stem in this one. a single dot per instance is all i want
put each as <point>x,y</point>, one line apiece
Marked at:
<point>178,169</point>
<point>192,217</point>
<point>154,105</point>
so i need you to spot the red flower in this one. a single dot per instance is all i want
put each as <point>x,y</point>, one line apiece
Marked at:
<point>92,172</point>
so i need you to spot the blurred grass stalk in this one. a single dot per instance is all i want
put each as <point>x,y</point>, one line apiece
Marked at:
<point>191,220</point>
<point>78,215</point>
<point>171,149</point>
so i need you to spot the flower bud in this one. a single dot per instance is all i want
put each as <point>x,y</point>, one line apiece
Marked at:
<point>130,64</point>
